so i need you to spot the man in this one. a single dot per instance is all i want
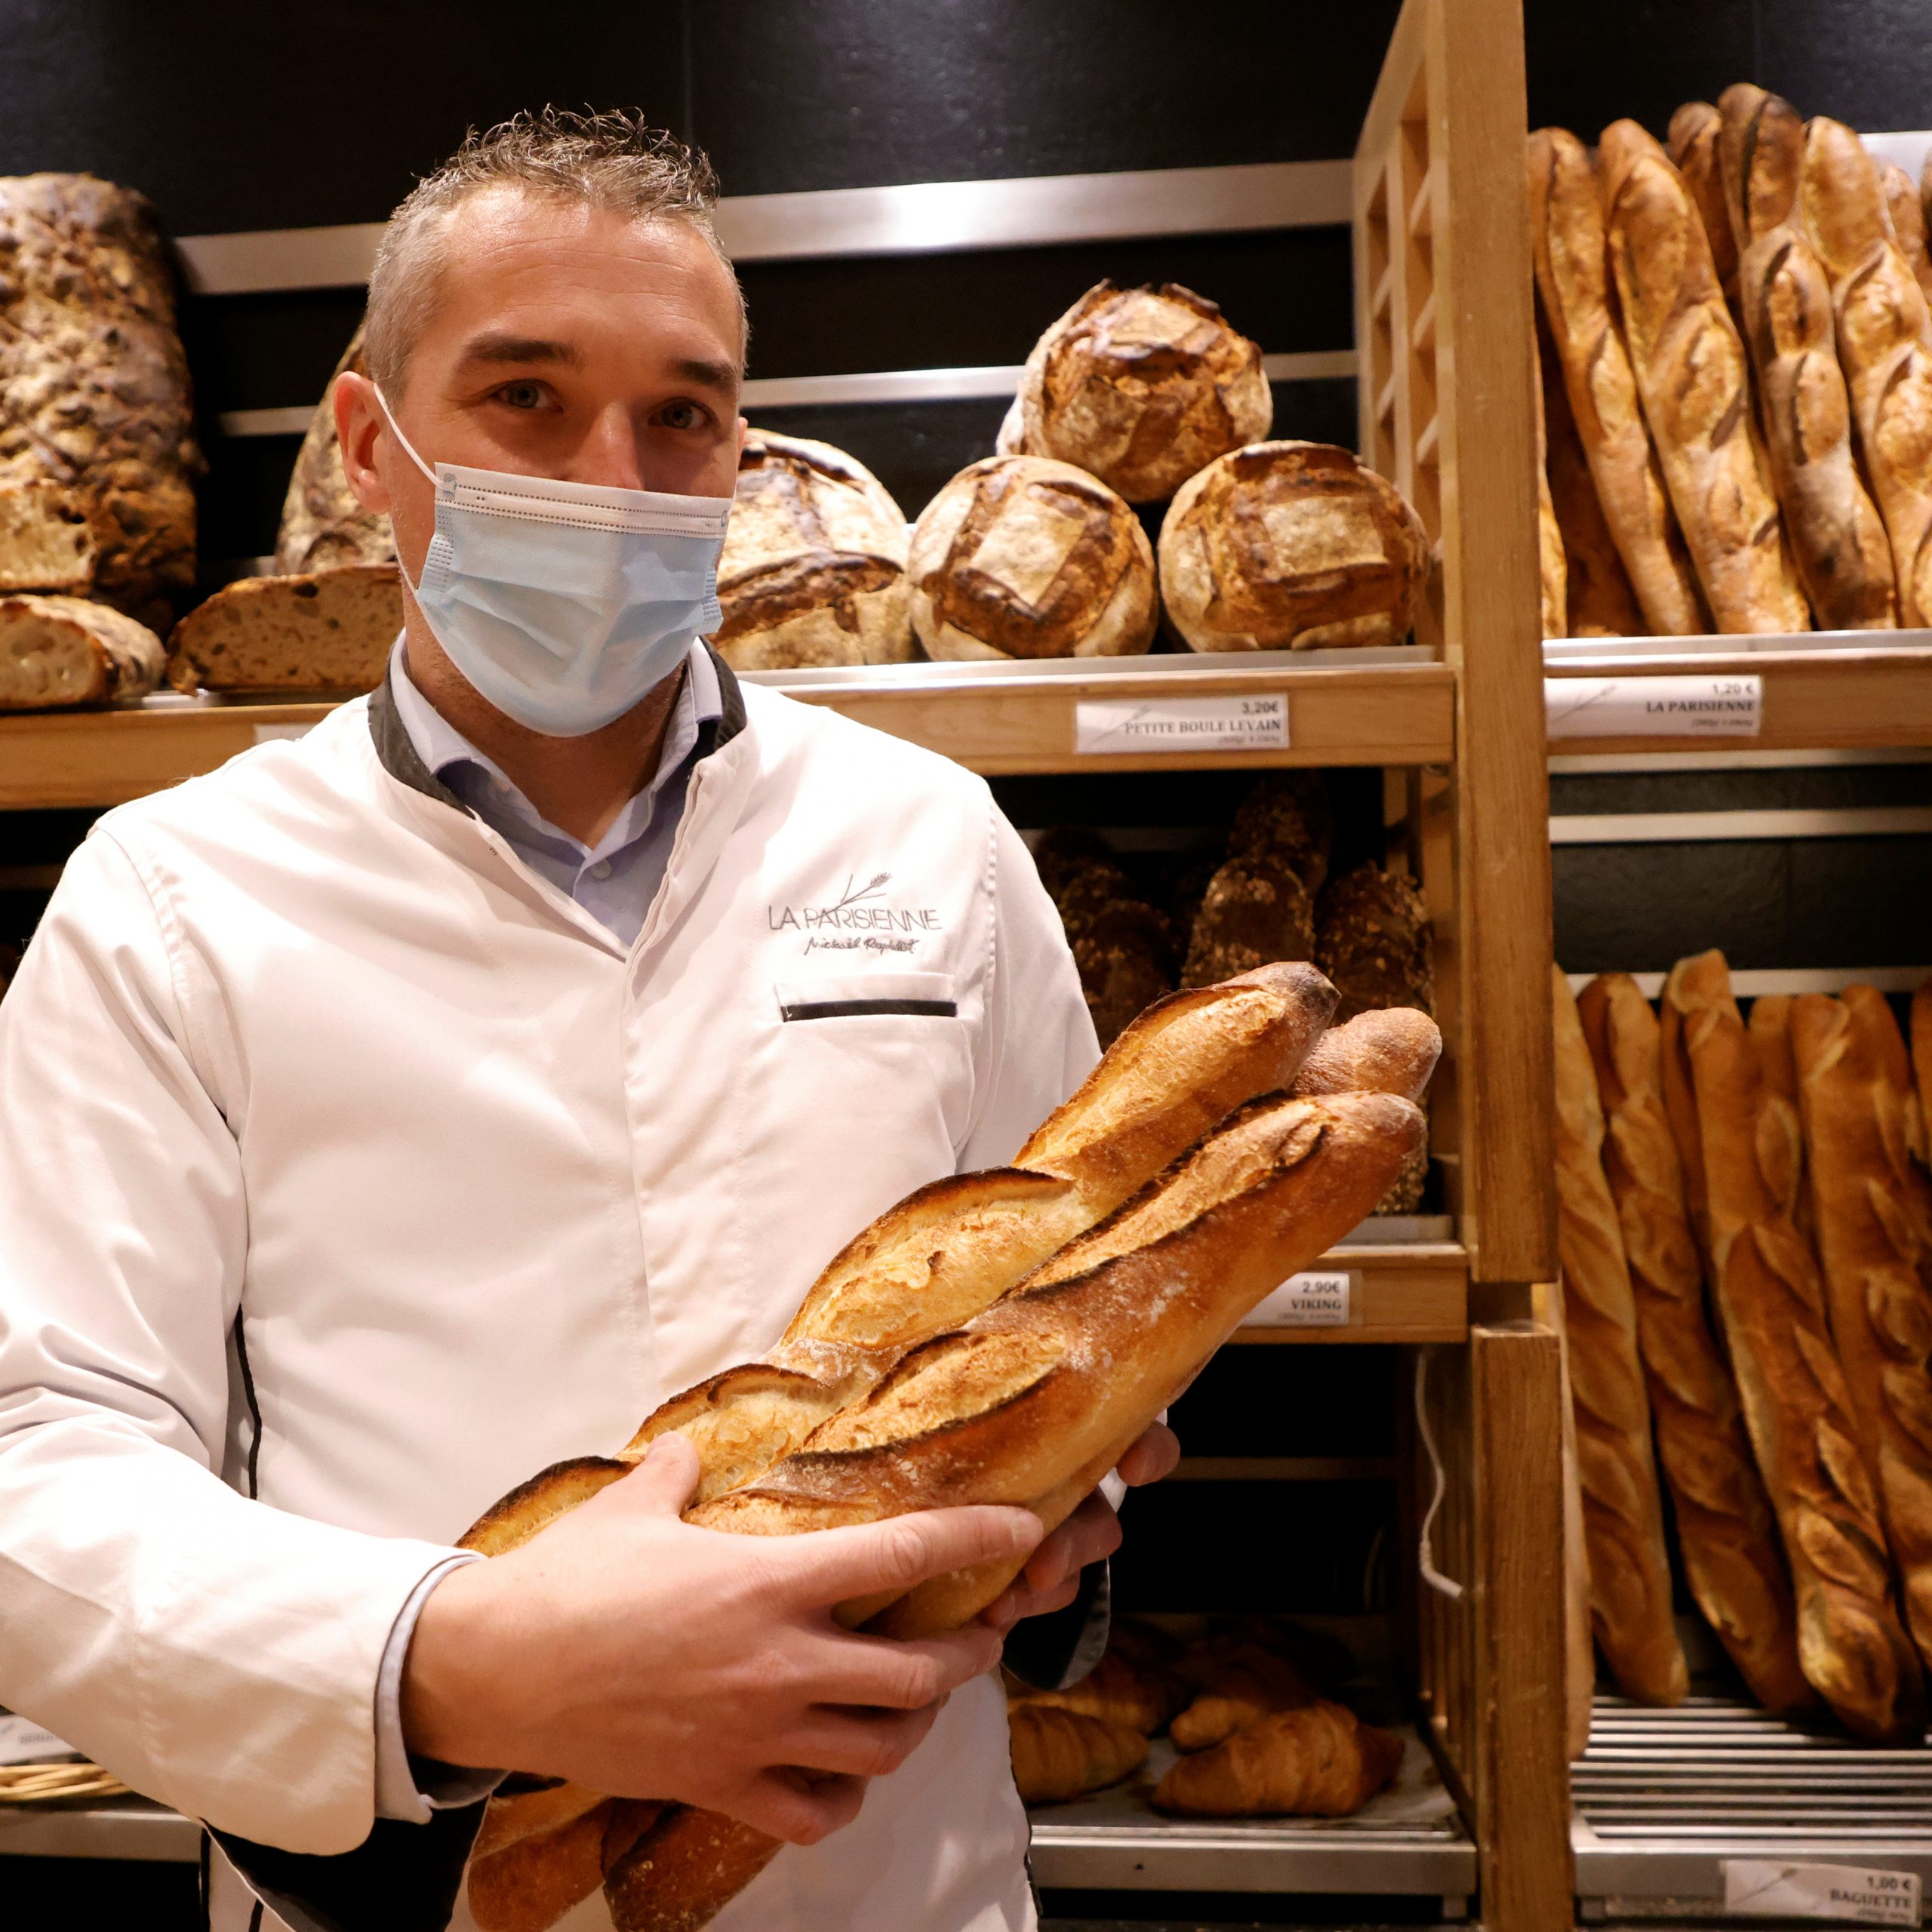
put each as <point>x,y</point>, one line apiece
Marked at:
<point>391,1115</point>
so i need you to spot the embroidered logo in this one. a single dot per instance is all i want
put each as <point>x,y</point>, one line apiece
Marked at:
<point>862,918</point>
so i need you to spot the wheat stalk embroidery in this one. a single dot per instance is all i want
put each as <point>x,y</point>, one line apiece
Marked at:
<point>853,898</point>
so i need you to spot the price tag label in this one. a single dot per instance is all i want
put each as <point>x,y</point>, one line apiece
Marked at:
<point>1842,1894</point>
<point>1319,1300</point>
<point>23,1741</point>
<point>1256,723</point>
<point>266,734</point>
<point>1654,707</point>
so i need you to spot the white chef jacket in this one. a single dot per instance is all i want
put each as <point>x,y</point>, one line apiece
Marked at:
<point>346,1163</point>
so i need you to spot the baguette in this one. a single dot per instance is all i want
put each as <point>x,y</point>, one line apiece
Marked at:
<point>530,1864</point>
<point>1875,1240</point>
<point>1884,339</point>
<point>1059,1754</point>
<point>1781,1127</point>
<point>1630,1604</point>
<point>1922,1067</point>
<point>1690,373</point>
<point>1837,537</point>
<point>1553,571</point>
<point>1321,1761</point>
<point>1902,203</point>
<point>1729,1535</point>
<point>1572,272</point>
<point>1770,1299</point>
<point>1600,602</point>
<point>1692,143</point>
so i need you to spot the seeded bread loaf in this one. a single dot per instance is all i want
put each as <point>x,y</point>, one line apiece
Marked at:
<point>322,525</point>
<point>1630,1605</point>
<point>1144,387</point>
<point>48,540</point>
<point>814,568</point>
<point>63,650</point>
<point>1573,288</point>
<point>1771,1302</point>
<point>1884,341</point>
<point>94,386</point>
<point>1691,373</point>
<point>327,631</point>
<point>1838,538</point>
<point>1725,1526</point>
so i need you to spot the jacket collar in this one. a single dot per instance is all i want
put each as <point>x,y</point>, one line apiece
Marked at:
<point>397,756</point>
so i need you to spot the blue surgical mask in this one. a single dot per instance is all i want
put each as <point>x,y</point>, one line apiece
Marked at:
<point>565,603</point>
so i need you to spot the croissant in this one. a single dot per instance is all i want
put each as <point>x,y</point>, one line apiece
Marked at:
<point>1060,1754</point>
<point>1118,1692</point>
<point>1320,1761</point>
<point>1244,1683</point>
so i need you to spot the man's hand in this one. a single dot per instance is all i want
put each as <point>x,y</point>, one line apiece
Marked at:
<point>635,1654</point>
<point>1051,1578</point>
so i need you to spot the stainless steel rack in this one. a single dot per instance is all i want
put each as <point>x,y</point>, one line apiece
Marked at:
<point>1665,1800</point>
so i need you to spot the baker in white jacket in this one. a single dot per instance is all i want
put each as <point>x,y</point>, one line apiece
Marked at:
<point>393,1113</point>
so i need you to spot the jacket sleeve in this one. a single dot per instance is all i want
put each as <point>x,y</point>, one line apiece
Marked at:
<point>1038,1043</point>
<point>219,1655</point>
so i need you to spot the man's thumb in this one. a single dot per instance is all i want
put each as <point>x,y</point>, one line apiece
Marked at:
<point>667,1478</point>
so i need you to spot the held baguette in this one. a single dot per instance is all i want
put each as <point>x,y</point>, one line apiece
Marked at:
<point>1630,1606</point>
<point>1732,1557</point>
<point>1837,537</point>
<point>1851,1644</point>
<point>1572,272</point>
<point>1884,340</point>
<point>1875,1239</point>
<point>1690,373</point>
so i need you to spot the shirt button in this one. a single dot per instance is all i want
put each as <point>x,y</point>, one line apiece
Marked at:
<point>602,869</point>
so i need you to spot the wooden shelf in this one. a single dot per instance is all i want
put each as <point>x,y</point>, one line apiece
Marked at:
<point>1407,1292</point>
<point>1829,691</point>
<point>105,758</point>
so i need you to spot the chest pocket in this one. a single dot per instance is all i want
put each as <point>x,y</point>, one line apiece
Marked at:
<point>875,1079</point>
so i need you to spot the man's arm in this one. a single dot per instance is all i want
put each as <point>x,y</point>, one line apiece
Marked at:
<point>218,1654</point>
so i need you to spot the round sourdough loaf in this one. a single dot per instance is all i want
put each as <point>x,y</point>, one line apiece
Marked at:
<point>1142,386</point>
<point>1290,545</point>
<point>814,570</point>
<point>1020,556</point>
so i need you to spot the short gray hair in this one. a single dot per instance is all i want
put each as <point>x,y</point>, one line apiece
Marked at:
<point>613,161</point>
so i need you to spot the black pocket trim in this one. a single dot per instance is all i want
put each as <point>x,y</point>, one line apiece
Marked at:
<point>847,1009</point>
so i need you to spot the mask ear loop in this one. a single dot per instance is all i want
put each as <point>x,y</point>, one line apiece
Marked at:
<point>409,450</point>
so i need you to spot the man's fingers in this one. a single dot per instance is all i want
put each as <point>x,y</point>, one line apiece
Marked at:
<point>1090,1535</point>
<point>864,1744</point>
<point>886,1675</point>
<point>801,1810</point>
<point>664,1481</point>
<point>825,1566</point>
<point>1153,1457</point>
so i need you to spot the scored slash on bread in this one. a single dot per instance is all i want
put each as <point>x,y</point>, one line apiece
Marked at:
<point>1015,1365</point>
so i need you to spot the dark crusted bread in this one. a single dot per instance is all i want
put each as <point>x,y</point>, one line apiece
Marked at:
<point>322,524</point>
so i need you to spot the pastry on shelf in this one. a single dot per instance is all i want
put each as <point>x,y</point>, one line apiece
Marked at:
<point>1059,1754</point>
<point>1319,1760</point>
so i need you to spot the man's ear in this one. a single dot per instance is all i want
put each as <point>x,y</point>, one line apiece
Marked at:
<point>359,420</point>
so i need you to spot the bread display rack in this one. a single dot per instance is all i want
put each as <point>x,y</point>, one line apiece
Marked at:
<point>1455,720</point>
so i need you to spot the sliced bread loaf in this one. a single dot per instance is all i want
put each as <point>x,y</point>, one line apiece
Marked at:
<point>56,651</point>
<point>326,631</point>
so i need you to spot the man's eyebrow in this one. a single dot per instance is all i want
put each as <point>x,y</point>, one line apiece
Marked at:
<point>722,377</point>
<point>500,346</point>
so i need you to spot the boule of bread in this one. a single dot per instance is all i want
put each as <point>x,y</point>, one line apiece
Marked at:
<point>94,392</point>
<point>1578,304</point>
<point>322,524</point>
<point>1142,387</point>
<point>1290,546</point>
<point>1598,600</point>
<point>1725,1527</point>
<point>813,567</point>
<point>1874,1211</point>
<point>1837,537</point>
<point>1692,376</point>
<point>326,631</point>
<point>1059,1753</point>
<point>1022,556</point>
<point>1692,145</point>
<point>1320,1761</point>
<point>1771,1302</point>
<point>1630,1595</point>
<point>1884,341</point>
<point>1908,214</point>
<point>47,540</point>
<point>60,651</point>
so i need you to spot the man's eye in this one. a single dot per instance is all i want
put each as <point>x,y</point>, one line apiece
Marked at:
<point>682,416</point>
<point>522,395</point>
